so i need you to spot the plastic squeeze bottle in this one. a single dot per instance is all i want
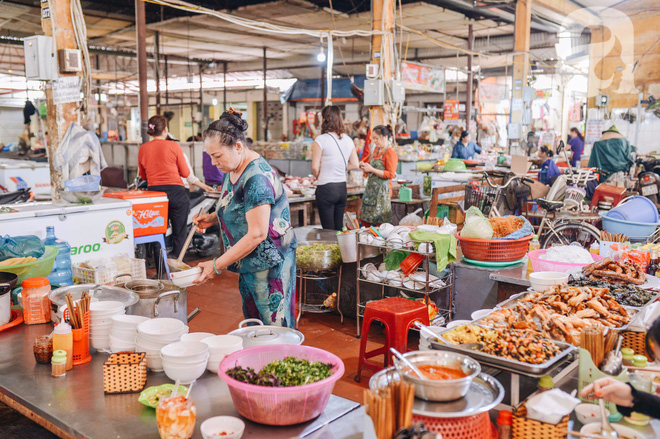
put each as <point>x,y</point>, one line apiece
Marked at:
<point>63,340</point>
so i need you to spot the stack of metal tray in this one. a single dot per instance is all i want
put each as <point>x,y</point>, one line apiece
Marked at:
<point>533,370</point>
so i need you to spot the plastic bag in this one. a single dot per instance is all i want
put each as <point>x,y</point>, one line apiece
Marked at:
<point>20,247</point>
<point>412,219</point>
<point>448,228</point>
<point>476,225</point>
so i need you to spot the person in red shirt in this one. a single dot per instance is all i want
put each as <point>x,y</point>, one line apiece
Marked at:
<point>162,165</point>
<point>380,166</point>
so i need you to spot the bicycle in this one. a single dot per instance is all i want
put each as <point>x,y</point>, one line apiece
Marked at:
<point>570,226</point>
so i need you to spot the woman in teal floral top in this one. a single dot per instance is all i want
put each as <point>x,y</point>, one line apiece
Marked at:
<point>253,213</point>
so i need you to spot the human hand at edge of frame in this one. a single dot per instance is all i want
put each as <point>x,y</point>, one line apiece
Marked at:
<point>204,221</point>
<point>611,390</point>
<point>207,272</point>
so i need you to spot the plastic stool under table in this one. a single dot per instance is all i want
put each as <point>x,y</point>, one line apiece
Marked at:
<point>398,315</point>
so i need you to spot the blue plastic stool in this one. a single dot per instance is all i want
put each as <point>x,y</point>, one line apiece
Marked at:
<point>160,239</point>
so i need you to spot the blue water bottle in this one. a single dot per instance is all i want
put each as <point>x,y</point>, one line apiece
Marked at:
<point>61,274</point>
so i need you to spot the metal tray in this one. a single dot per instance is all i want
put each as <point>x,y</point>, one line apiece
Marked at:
<point>484,394</point>
<point>633,312</point>
<point>504,363</point>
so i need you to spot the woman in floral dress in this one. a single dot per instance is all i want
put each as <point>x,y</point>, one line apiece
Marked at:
<point>253,213</point>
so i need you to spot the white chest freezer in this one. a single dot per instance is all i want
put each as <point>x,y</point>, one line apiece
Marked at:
<point>22,174</point>
<point>102,229</point>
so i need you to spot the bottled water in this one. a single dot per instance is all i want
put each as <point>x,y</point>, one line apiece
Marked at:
<point>61,274</point>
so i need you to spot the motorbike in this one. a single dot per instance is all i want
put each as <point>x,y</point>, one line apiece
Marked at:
<point>204,244</point>
<point>648,178</point>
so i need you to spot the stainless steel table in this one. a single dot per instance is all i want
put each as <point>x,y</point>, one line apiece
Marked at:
<point>75,406</point>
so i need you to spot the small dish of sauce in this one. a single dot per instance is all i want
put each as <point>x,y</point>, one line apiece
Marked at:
<point>435,372</point>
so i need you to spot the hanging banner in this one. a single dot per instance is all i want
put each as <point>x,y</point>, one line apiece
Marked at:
<point>421,77</point>
<point>594,130</point>
<point>493,93</point>
<point>451,109</point>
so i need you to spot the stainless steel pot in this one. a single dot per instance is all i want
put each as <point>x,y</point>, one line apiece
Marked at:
<point>96,292</point>
<point>262,335</point>
<point>158,299</point>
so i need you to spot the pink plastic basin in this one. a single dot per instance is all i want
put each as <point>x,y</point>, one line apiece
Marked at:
<point>539,264</point>
<point>280,405</point>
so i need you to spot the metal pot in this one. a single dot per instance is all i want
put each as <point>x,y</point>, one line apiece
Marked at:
<point>262,335</point>
<point>158,299</point>
<point>96,292</point>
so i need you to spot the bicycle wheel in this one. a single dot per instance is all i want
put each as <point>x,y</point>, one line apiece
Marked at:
<point>583,233</point>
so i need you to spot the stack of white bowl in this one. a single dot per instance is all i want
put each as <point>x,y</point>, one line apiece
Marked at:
<point>219,347</point>
<point>123,332</point>
<point>153,334</point>
<point>100,321</point>
<point>184,361</point>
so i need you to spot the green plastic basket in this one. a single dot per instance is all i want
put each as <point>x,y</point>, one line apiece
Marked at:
<point>42,267</point>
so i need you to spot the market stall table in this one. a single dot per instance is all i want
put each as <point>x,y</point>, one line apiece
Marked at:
<point>75,406</point>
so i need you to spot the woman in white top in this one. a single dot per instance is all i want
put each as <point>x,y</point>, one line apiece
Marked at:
<point>333,153</point>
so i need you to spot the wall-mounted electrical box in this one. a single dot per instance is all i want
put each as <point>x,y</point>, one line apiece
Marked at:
<point>40,61</point>
<point>602,100</point>
<point>398,92</point>
<point>70,60</point>
<point>372,71</point>
<point>373,92</point>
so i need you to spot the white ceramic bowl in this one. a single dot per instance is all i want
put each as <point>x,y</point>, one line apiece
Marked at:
<point>185,278</point>
<point>154,363</point>
<point>185,374</point>
<point>542,280</point>
<point>455,323</point>
<point>196,336</point>
<point>128,321</point>
<point>213,366</point>
<point>227,426</point>
<point>161,327</point>
<point>162,340</point>
<point>480,313</point>
<point>149,345</point>
<point>190,351</point>
<point>223,344</point>
<point>308,191</point>
<point>589,413</point>
<point>624,432</point>
<point>107,306</point>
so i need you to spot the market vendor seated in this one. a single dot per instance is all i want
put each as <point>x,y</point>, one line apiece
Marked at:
<point>612,153</point>
<point>465,149</point>
<point>549,171</point>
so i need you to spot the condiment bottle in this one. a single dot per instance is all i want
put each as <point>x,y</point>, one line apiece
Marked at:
<point>36,305</point>
<point>534,244</point>
<point>627,354</point>
<point>594,248</point>
<point>43,349</point>
<point>58,363</point>
<point>545,383</point>
<point>643,382</point>
<point>504,422</point>
<point>63,340</point>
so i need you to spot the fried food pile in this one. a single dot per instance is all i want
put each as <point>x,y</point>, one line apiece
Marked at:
<point>505,226</point>
<point>624,294</point>
<point>561,312</point>
<point>619,272</point>
<point>506,343</point>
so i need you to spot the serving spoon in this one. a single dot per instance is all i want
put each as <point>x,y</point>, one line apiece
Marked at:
<point>398,355</point>
<point>605,426</point>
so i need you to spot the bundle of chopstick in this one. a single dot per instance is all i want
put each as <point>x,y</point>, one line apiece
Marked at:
<point>76,314</point>
<point>390,408</point>
<point>613,237</point>
<point>351,223</point>
<point>594,340</point>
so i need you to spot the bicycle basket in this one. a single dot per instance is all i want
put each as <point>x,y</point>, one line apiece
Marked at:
<point>482,197</point>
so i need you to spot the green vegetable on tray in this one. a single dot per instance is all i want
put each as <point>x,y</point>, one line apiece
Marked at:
<point>288,372</point>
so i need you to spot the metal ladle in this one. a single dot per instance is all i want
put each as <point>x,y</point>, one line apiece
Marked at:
<point>613,361</point>
<point>398,355</point>
<point>605,426</point>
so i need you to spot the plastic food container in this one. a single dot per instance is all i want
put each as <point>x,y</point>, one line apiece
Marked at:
<point>542,280</point>
<point>36,305</point>
<point>84,183</point>
<point>175,417</point>
<point>280,405</point>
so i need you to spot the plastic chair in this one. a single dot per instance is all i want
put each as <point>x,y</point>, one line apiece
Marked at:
<point>398,315</point>
<point>160,239</point>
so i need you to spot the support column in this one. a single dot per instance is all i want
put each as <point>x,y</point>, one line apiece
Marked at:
<point>57,24</point>
<point>167,85</point>
<point>265,99</point>
<point>141,35</point>
<point>382,19</point>
<point>468,99</point>
<point>201,100</point>
<point>521,57</point>
<point>224,86</point>
<point>157,61</point>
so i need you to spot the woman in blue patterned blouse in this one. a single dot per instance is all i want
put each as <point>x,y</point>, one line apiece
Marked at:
<point>255,222</point>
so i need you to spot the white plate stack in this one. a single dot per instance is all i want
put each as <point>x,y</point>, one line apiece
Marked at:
<point>184,361</point>
<point>100,321</point>
<point>153,334</point>
<point>123,332</point>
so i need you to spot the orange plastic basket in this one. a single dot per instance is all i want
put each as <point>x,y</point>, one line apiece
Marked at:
<point>494,250</point>
<point>469,427</point>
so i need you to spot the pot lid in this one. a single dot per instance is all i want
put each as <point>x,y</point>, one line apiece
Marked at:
<point>101,292</point>
<point>267,335</point>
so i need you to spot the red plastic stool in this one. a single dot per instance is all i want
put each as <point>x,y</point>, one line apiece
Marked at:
<point>398,315</point>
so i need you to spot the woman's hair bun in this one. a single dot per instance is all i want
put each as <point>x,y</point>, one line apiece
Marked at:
<point>234,117</point>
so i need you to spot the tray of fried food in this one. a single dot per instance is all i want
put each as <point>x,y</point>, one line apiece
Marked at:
<point>561,312</point>
<point>623,271</point>
<point>509,349</point>
<point>627,295</point>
